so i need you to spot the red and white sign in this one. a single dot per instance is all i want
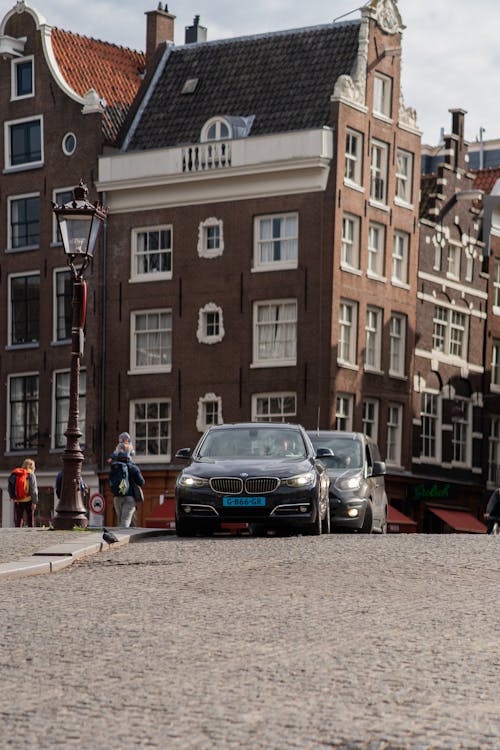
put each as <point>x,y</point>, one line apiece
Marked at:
<point>97,503</point>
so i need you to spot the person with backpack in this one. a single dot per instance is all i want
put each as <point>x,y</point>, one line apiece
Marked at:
<point>23,491</point>
<point>123,473</point>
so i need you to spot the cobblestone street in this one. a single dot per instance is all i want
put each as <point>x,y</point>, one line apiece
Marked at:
<point>353,642</point>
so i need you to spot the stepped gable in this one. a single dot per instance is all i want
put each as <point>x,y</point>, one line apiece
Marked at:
<point>285,79</point>
<point>114,72</point>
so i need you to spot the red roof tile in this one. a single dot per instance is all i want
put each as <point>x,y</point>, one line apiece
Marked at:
<point>484,179</point>
<point>114,72</point>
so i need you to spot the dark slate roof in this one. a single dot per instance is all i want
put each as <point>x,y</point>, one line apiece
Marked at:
<point>284,78</point>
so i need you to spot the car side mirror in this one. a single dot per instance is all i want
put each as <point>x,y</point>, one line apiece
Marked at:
<point>183,453</point>
<point>378,469</point>
<point>323,452</point>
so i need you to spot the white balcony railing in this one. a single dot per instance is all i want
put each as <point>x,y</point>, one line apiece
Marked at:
<point>203,156</point>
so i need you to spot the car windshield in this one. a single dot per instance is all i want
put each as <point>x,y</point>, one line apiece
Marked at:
<point>347,451</point>
<point>252,442</point>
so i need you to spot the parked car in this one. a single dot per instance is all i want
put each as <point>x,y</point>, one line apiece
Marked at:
<point>263,474</point>
<point>358,499</point>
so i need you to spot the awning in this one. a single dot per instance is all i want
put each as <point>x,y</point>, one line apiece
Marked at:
<point>396,520</point>
<point>460,520</point>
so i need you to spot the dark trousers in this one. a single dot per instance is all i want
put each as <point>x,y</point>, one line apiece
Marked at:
<point>23,512</point>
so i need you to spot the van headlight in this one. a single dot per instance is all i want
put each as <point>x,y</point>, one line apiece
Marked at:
<point>187,480</point>
<point>348,483</point>
<point>301,480</point>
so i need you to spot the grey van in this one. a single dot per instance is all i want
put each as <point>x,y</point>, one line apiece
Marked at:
<point>358,500</point>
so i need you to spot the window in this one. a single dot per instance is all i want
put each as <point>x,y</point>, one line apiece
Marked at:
<point>370,417</point>
<point>354,157</point>
<point>150,427</point>
<point>344,411</point>
<point>348,325</point>
<point>216,129</point>
<point>274,407</point>
<point>22,78</point>
<point>24,221</point>
<point>378,172</point>
<point>152,253</point>
<point>373,338</point>
<point>400,258</point>
<point>276,241</point>
<point>350,241</point>
<point>429,425</point>
<point>209,411</point>
<point>376,245</point>
<point>210,238</point>
<point>63,301</point>
<point>23,412</point>
<point>61,407</point>
<point>494,453</point>
<point>460,433</point>
<point>275,333</point>
<point>449,327</point>
<point>453,262</point>
<point>24,309</point>
<point>394,433</point>
<point>495,363</point>
<point>69,144</point>
<point>61,197</point>
<point>404,176</point>
<point>23,143</point>
<point>397,344</point>
<point>210,324</point>
<point>151,340</point>
<point>496,286</point>
<point>382,95</point>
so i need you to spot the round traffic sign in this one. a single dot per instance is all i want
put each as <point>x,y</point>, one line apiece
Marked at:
<point>97,503</point>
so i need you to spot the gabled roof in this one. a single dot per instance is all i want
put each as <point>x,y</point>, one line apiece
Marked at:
<point>484,179</point>
<point>284,78</point>
<point>114,72</point>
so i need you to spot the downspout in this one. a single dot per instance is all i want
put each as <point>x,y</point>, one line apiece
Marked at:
<point>103,339</point>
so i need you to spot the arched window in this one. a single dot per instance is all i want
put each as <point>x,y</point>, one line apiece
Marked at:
<point>216,129</point>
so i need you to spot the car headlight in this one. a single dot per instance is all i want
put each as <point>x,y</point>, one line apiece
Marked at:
<point>348,483</point>
<point>301,480</point>
<point>187,480</point>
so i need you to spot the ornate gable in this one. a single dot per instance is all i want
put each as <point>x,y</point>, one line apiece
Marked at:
<point>385,13</point>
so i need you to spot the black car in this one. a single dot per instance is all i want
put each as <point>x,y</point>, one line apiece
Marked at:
<point>263,474</point>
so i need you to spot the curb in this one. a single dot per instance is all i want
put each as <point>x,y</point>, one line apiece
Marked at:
<point>60,556</point>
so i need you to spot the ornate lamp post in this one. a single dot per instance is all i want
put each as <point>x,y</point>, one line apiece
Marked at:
<point>79,223</point>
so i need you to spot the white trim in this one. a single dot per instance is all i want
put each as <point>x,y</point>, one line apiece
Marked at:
<point>10,200</point>
<point>20,275</point>
<point>10,376</point>
<point>55,274</point>
<point>148,369</point>
<point>270,395</point>
<point>447,284</point>
<point>14,97</point>
<point>55,192</point>
<point>153,458</point>
<point>201,334</point>
<point>203,251</point>
<point>208,398</point>
<point>447,360</point>
<point>9,167</point>
<point>153,275</point>
<point>278,265</point>
<point>270,362</point>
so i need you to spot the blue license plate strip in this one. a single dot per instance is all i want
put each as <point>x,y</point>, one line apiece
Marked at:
<point>244,502</point>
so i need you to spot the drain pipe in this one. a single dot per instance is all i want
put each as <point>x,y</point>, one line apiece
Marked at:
<point>103,338</point>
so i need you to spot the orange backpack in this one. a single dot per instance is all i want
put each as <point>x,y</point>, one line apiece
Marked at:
<point>22,485</point>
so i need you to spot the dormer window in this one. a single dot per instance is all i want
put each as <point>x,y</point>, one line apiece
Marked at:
<point>22,79</point>
<point>216,129</point>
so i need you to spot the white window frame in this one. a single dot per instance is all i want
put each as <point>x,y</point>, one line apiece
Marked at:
<point>202,420</point>
<point>168,252</point>
<point>430,426</point>
<point>348,333</point>
<point>291,241</point>
<point>8,436</point>
<point>134,315</point>
<point>351,230</point>
<point>279,306</point>
<point>204,228</point>
<point>344,411</point>
<point>57,272</point>
<point>461,436</point>
<point>379,164</point>
<point>7,145</point>
<point>219,125</point>
<point>373,339</point>
<point>397,345</point>
<point>453,258</point>
<point>353,174</point>
<point>82,407</point>
<point>138,439</point>
<point>382,96</point>
<point>494,453</point>
<point>376,250</point>
<point>404,177</point>
<point>370,417</point>
<point>280,414</point>
<point>495,365</point>
<point>59,197</point>
<point>10,201</point>
<point>400,255</point>
<point>394,433</point>
<point>496,287</point>
<point>448,332</point>
<point>202,333</point>
<point>14,96</point>
<point>25,344</point>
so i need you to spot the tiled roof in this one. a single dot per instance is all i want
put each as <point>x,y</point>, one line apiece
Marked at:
<point>484,179</point>
<point>113,71</point>
<point>284,78</point>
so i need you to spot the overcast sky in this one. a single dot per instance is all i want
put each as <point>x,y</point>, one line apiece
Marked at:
<point>451,55</point>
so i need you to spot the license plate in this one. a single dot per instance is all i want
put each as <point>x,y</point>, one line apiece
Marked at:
<point>243,502</point>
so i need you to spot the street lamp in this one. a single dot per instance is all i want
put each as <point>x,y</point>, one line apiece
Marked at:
<point>79,222</point>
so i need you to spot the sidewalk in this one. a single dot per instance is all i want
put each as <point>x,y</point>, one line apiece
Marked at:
<point>26,552</point>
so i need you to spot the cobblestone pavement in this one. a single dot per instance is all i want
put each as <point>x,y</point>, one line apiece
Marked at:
<point>237,643</point>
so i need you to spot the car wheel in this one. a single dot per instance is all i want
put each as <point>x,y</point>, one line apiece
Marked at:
<point>184,527</point>
<point>315,528</point>
<point>367,527</point>
<point>257,529</point>
<point>326,522</point>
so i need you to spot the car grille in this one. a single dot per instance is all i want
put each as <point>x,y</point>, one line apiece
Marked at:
<point>227,485</point>
<point>235,485</point>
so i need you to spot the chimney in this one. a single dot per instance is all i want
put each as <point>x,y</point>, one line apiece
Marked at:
<point>195,33</point>
<point>159,28</point>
